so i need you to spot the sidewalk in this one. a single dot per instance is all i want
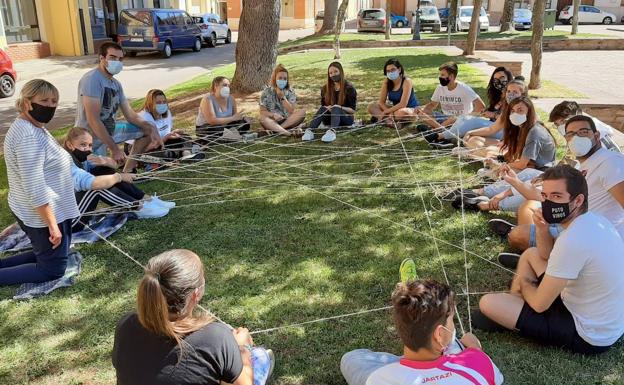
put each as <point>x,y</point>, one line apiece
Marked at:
<point>40,68</point>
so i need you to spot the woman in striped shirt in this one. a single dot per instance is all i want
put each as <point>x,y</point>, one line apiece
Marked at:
<point>41,190</point>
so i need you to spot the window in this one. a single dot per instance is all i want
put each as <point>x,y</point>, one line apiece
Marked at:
<point>161,18</point>
<point>592,10</point>
<point>486,4</point>
<point>96,14</point>
<point>137,4</point>
<point>20,20</point>
<point>373,14</point>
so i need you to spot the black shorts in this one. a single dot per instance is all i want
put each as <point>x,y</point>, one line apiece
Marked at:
<point>554,327</point>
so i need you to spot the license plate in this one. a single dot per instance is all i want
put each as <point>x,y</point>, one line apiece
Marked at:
<point>136,39</point>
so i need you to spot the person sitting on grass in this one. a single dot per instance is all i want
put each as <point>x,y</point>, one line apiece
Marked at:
<point>218,114</point>
<point>469,122</point>
<point>398,90</point>
<point>278,105</point>
<point>167,342</point>
<point>96,179</point>
<point>338,104</point>
<point>604,171</point>
<point>423,312</point>
<point>567,291</point>
<point>453,97</point>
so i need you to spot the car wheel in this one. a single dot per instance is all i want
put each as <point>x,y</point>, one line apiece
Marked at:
<point>197,46</point>
<point>607,21</point>
<point>567,21</point>
<point>228,38</point>
<point>167,51</point>
<point>7,86</point>
<point>212,42</point>
<point>400,24</point>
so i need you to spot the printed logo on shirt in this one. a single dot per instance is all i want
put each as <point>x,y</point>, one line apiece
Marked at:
<point>436,378</point>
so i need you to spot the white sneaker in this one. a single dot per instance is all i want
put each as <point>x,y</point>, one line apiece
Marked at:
<point>308,135</point>
<point>330,136</point>
<point>151,210</point>
<point>162,203</point>
<point>231,134</point>
<point>487,173</point>
<point>461,151</point>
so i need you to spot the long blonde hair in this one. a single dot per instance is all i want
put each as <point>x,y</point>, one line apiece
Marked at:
<point>164,295</point>
<point>33,88</point>
<point>150,102</point>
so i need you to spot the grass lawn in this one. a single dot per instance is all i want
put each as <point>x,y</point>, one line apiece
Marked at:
<point>430,35</point>
<point>306,231</point>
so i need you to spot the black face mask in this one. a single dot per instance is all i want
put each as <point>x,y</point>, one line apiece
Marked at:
<point>554,212</point>
<point>444,81</point>
<point>42,114</point>
<point>80,155</point>
<point>336,78</point>
<point>499,84</point>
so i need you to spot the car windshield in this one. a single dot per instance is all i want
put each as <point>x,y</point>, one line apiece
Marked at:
<point>429,11</point>
<point>375,14</point>
<point>522,13</point>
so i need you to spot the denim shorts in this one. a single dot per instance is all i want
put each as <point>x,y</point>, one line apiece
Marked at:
<point>124,131</point>
<point>554,231</point>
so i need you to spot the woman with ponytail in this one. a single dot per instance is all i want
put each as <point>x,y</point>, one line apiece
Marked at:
<point>166,342</point>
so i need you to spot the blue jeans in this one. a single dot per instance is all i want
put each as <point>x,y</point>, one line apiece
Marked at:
<point>357,365</point>
<point>466,123</point>
<point>261,363</point>
<point>42,263</point>
<point>336,117</point>
<point>513,202</point>
<point>554,231</point>
<point>124,131</point>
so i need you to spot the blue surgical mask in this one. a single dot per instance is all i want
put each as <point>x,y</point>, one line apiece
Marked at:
<point>162,108</point>
<point>225,92</point>
<point>281,83</point>
<point>114,67</point>
<point>393,75</point>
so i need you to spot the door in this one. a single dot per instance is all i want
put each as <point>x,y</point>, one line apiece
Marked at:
<point>223,28</point>
<point>594,14</point>
<point>584,15</point>
<point>190,29</point>
<point>398,7</point>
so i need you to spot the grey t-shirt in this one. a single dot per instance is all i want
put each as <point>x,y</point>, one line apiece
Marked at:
<point>539,147</point>
<point>210,357</point>
<point>96,85</point>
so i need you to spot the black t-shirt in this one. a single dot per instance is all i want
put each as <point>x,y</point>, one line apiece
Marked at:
<point>140,357</point>
<point>350,96</point>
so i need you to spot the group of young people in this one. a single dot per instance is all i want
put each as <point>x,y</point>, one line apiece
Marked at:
<point>566,288</point>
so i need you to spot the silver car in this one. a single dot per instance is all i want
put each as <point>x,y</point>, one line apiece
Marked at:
<point>371,20</point>
<point>213,29</point>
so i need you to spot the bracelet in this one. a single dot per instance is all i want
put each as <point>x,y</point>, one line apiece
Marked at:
<point>248,347</point>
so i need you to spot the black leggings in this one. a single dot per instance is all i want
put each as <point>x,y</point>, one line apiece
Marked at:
<point>208,133</point>
<point>335,118</point>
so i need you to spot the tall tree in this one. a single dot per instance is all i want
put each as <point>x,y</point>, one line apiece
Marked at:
<point>575,16</point>
<point>536,43</point>
<point>474,28</point>
<point>388,19</point>
<point>342,13</point>
<point>507,18</point>
<point>452,20</point>
<point>256,49</point>
<point>329,17</point>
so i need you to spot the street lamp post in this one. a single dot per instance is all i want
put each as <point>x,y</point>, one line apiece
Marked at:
<point>416,26</point>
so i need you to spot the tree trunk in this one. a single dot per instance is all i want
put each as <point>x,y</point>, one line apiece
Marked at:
<point>474,28</point>
<point>536,43</point>
<point>575,16</point>
<point>507,18</point>
<point>256,49</point>
<point>329,17</point>
<point>452,21</point>
<point>388,19</point>
<point>342,13</point>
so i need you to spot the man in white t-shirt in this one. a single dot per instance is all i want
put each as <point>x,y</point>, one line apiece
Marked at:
<point>423,315</point>
<point>453,97</point>
<point>572,297</point>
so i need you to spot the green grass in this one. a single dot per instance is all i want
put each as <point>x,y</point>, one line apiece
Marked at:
<point>291,254</point>
<point>429,35</point>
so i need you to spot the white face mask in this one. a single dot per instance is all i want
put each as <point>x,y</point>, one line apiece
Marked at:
<point>561,129</point>
<point>114,67</point>
<point>453,338</point>
<point>580,146</point>
<point>225,91</point>
<point>517,119</point>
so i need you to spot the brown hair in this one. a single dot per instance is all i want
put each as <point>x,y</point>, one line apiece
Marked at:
<point>515,137</point>
<point>108,45</point>
<point>328,88</point>
<point>279,68</point>
<point>33,88</point>
<point>73,134</point>
<point>582,118</point>
<point>564,110</point>
<point>575,182</point>
<point>150,102</point>
<point>165,292</point>
<point>450,67</point>
<point>418,308</point>
<point>216,82</point>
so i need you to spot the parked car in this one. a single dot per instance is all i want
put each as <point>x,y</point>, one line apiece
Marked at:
<point>154,29</point>
<point>213,29</point>
<point>429,19</point>
<point>522,19</point>
<point>465,16</point>
<point>372,19</point>
<point>587,14</point>
<point>8,75</point>
<point>444,16</point>
<point>398,21</point>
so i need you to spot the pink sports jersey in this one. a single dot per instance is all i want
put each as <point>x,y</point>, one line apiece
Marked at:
<point>469,367</point>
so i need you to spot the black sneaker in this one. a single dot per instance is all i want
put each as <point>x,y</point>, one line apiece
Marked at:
<point>458,193</point>
<point>432,138</point>
<point>470,204</point>
<point>422,128</point>
<point>500,226</point>
<point>481,322</point>
<point>509,260</point>
<point>373,120</point>
<point>442,145</point>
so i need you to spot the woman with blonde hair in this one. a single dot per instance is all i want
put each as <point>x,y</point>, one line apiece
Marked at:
<point>41,189</point>
<point>166,342</point>
<point>278,105</point>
